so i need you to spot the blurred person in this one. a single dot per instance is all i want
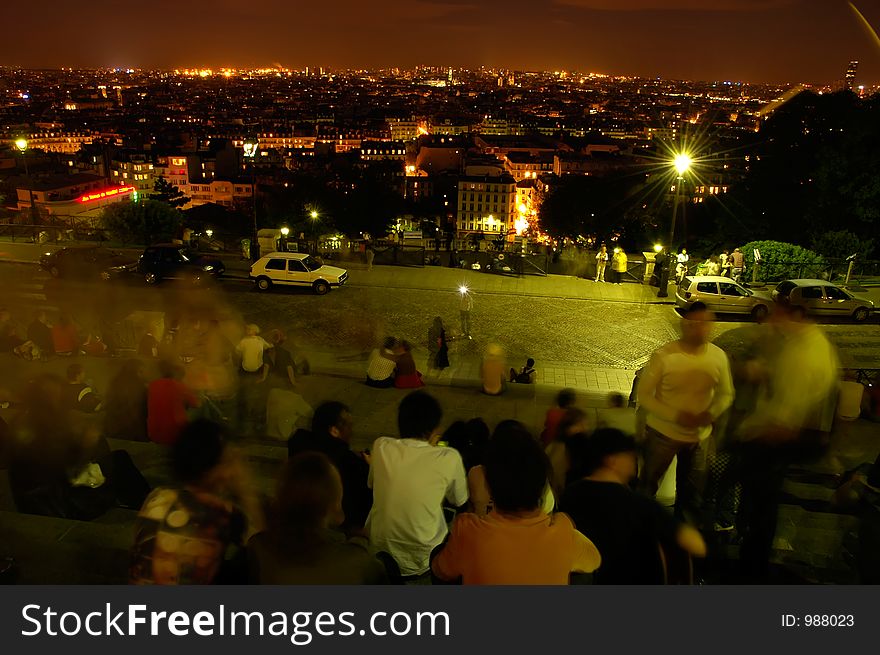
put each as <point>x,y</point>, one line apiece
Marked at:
<point>183,531</point>
<point>148,345</point>
<point>465,307</point>
<point>686,386</point>
<point>493,370</point>
<point>517,542</point>
<point>791,422</point>
<point>737,263</point>
<point>601,263</point>
<point>251,350</point>
<point>411,478</point>
<point>79,393</point>
<point>60,466</point>
<point>616,414</point>
<point>860,489</point>
<point>252,370</point>
<point>626,527</point>
<point>480,502</point>
<point>724,263</point>
<point>408,376</point>
<point>619,265</point>
<point>382,365</point>
<point>65,339</point>
<point>565,400</point>
<point>438,348</point>
<point>331,434</point>
<point>10,342</point>
<point>371,255</point>
<point>681,268</point>
<point>39,332</point>
<point>300,545</point>
<point>94,344</point>
<point>469,438</point>
<point>168,400</point>
<point>280,361</point>
<point>526,375</point>
<point>125,409</point>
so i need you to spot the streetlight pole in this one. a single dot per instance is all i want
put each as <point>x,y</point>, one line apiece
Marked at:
<point>314,216</point>
<point>251,146</point>
<point>681,163</point>
<point>22,145</point>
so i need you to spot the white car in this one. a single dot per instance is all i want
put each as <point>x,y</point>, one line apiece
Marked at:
<point>296,269</point>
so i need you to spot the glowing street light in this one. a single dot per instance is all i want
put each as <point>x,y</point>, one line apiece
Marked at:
<point>658,247</point>
<point>314,215</point>
<point>209,232</point>
<point>682,163</point>
<point>285,231</point>
<point>21,144</point>
<point>251,145</point>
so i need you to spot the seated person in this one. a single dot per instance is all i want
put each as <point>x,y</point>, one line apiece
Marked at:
<point>408,376</point>
<point>517,542</point>
<point>527,374</point>
<point>300,546</point>
<point>492,370</point>
<point>565,400</point>
<point>382,364</point>
<point>628,528</point>
<point>81,396</point>
<point>861,489</point>
<point>183,531</point>
<point>65,339</point>
<point>478,487</point>
<point>332,430</point>
<point>411,478</point>
<point>40,334</point>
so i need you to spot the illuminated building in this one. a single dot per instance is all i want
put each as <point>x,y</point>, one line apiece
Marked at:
<point>525,166</point>
<point>849,79</point>
<point>66,196</point>
<point>134,171</point>
<point>383,151</point>
<point>68,143</point>
<point>486,204</point>
<point>406,130</point>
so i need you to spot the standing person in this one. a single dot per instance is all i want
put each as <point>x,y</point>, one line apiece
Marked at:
<point>371,255</point>
<point>791,422</point>
<point>619,265</point>
<point>737,264</point>
<point>148,346</point>
<point>724,260</point>
<point>183,532</point>
<point>565,401</point>
<point>331,434</point>
<point>168,400</point>
<point>686,386</point>
<point>465,306</point>
<point>301,546</point>
<point>517,542</point>
<point>438,349</point>
<point>681,268</point>
<point>661,261</point>
<point>411,478</point>
<point>601,263</point>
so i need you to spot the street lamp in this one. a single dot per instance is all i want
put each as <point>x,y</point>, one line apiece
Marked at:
<point>22,146</point>
<point>284,232</point>
<point>681,162</point>
<point>251,145</point>
<point>314,216</point>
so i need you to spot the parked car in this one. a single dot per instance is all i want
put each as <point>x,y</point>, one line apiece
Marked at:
<point>174,262</point>
<point>296,269</point>
<point>87,263</point>
<point>822,298</point>
<point>722,295</point>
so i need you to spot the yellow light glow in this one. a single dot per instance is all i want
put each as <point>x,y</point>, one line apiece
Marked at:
<point>682,163</point>
<point>521,225</point>
<point>463,289</point>
<point>21,144</point>
<point>658,247</point>
<point>285,231</point>
<point>314,214</point>
<point>522,208</point>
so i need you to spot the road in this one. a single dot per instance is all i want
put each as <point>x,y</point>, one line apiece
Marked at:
<point>559,329</point>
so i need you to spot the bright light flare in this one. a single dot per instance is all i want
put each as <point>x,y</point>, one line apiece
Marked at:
<point>463,289</point>
<point>658,247</point>
<point>682,163</point>
<point>21,144</point>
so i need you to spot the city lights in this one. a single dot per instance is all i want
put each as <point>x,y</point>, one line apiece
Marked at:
<point>21,144</point>
<point>682,163</point>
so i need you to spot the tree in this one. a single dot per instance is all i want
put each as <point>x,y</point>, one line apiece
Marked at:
<point>145,222</point>
<point>164,191</point>
<point>781,260</point>
<point>840,244</point>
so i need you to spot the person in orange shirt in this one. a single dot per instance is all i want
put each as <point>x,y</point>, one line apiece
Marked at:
<point>517,543</point>
<point>564,401</point>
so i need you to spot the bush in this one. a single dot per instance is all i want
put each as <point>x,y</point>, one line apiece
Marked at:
<point>144,222</point>
<point>840,244</point>
<point>780,261</point>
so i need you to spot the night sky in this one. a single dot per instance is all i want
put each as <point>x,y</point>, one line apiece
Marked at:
<point>750,40</point>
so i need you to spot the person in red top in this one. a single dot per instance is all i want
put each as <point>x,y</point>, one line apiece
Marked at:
<point>64,337</point>
<point>168,400</point>
<point>564,401</point>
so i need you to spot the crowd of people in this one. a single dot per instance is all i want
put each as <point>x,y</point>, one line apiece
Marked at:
<point>472,504</point>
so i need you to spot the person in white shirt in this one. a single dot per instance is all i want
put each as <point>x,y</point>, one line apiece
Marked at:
<point>382,364</point>
<point>465,307</point>
<point>411,477</point>
<point>681,268</point>
<point>601,263</point>
<point>251,349</point>
<point>686,386</point>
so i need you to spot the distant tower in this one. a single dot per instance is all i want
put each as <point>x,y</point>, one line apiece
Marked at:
<point>450,78</point>
<point>849,79</point>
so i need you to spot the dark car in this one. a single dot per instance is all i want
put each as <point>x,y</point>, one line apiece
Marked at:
<point>173,262</point>
<point>87,263</point>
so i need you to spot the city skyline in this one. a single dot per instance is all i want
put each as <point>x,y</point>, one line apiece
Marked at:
<point>761,41</point>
